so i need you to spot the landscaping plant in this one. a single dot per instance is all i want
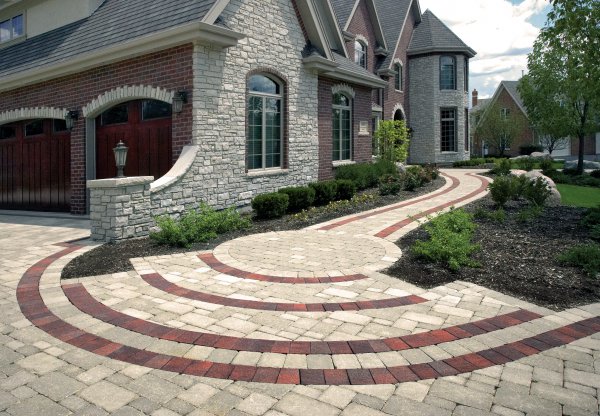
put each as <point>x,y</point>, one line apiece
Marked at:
<point>271,205</point>
<point>300,197</point>
<point>346,189</point>
<point>390,185</point>
<point>503,189</point>
<point>537,191</point>
<point>502,167</point>
<point>584,256</point>
<point>325,192</point>
<point>392,139</point>
<point>196,226</point>
<point>449,240</point>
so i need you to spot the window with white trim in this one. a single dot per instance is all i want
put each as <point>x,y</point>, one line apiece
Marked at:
<point>398,76</point>
<point>342,127</point>
<point>264,138</point>
<point>448,130</point>
<point>12,28</point>
<point>360,53</point>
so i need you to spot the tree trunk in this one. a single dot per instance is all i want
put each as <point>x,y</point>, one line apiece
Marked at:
<point>581,152</point>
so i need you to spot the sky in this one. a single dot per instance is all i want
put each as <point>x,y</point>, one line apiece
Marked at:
<point>502,33</point>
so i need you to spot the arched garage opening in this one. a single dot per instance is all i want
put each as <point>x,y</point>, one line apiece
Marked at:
<point>35,165</point>
<point>145,126</point>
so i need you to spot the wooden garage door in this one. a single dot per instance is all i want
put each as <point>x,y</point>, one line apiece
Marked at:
<point>145,128</point>
<point>35,166</point>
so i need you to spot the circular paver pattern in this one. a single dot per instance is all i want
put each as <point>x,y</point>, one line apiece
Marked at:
<point>308,251</point>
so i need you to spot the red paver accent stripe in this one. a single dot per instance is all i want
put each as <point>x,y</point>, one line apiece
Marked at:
<point>159,282</point>
<point>215,264</point>
<point>34,309</point>
<point>85,302</point>
<point>359,217</point>
<point>393,228</point>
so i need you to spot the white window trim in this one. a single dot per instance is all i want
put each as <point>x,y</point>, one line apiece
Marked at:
<point>363,41</point>
<point>264,127</point>
<point>349,109</point>
<point>399,62</point>
<point>17,39</point>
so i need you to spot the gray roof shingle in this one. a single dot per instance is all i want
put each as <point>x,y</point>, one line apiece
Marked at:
<point>432,35</point>
<point>392,14</point>
<point>114,22</point>
<point>342,10</point>
<point>349,65</point>
<point>511,87</point>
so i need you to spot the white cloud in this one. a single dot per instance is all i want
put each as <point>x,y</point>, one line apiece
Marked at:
<point>497,30</point>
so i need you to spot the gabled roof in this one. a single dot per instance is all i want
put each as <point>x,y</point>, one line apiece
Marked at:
<point>343,10</point>
<point>393,15</point>
<point>114,22</point>
<point>482,103</point>
<point>511,88</point>
<point>432,35</point>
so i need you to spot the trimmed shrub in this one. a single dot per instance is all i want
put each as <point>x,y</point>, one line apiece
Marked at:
<point>365,175</point>
<point>502,168</point>
<point>546,165</point>
<point>414,177</point>
<point>300,197</point>
<point>470,162</point>
<point>390,185</point>
<point>530,148</point>
<point>502,190</point>
<point>527,164</point>
<point>432,172</point>
<point>325,192</point>
<point>537,191</point>
<point>449,240</point>
<point>272,205</point>
<point>584,256</point>
<point>346,189</point>
<point>197,226</point>
<point>530,213</point>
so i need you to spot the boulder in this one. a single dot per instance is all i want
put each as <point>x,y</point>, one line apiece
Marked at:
<point>401,167</point>
<point>587,164</point>
<point>554,200</point>
<point>540,155</point>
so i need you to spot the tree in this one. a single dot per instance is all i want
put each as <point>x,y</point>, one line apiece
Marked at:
<point>497,128</point>
<point>392,140</point>
<point>564,75</point>
<point>552,143</point>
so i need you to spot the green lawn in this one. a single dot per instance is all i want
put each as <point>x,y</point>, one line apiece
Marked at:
<point>579,196</point>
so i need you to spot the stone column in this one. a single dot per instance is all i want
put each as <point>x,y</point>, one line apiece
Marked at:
<point>120,208</point>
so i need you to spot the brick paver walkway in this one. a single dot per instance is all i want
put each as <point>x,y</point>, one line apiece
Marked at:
<point>282,324</point>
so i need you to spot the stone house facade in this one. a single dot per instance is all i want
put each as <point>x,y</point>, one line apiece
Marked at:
<point>218,100</point>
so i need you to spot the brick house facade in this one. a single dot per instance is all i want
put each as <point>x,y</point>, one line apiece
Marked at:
<point>210,58</point>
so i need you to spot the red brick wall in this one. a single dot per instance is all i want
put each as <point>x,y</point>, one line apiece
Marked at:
<point>361,25</point>
<point>525,137</point>
<point>589,147</point>
<point>361,111</point>
<point>170,69</point>
<point>391,96</point>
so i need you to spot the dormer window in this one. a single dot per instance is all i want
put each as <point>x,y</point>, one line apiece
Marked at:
<point>12,28</point>
<point>360,53</point>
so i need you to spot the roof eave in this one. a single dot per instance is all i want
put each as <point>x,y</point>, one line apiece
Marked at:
<point>355,78</point>
<point>431,49</point>
<point>188,33</point>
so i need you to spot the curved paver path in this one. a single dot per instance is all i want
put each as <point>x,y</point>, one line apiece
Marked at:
<point>302,308</point>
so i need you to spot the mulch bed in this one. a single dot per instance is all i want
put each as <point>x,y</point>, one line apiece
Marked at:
<point>516,258</point>
<point>114,258</point>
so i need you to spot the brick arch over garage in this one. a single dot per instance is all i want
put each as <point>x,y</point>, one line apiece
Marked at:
<point>109,99</point>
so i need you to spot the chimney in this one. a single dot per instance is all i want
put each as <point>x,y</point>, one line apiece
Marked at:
<point>475,95</point>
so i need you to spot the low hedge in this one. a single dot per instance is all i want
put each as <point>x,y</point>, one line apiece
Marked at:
<point>325,192</point>
<point>345,189</point>
<point>365,175</point>
<point>300,197</point>
<point>272,205</point>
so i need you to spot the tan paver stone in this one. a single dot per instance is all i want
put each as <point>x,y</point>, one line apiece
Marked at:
<point>41,363</point>
<point>337,396</point>
<point>108,396</point>
<point>56,386</point>
<point>294,404</point>
<point>198,394</point>
<point>256,404</point>
<point>406,407</point>
<point>414,391</point>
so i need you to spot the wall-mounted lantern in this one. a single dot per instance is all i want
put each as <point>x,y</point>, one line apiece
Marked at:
<point>120,158</point>
<point>179,99</point>
<point>70,118</point>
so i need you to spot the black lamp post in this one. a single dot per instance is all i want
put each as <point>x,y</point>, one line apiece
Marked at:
<point>120,158</point>
<point>70,118</point>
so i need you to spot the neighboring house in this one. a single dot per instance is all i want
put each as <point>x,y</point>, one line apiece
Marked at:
<point>507,100</point>
<point>219,100</point>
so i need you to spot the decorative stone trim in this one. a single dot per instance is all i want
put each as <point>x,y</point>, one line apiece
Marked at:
<point>182,166</point>
<point>29,113</point>
<point>126,93</point>
<point>360,38</point>
<point>398,61</point>
<point>344,89</point>
<point>397,107</point>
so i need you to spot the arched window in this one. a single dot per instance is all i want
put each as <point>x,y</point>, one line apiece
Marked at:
<point>264,138</point>
<point>398,76</point>
<point>342,127</point>
<point>360,53</point>
<point>447,73</point>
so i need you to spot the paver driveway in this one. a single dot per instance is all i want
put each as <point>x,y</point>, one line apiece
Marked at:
<point>289,323</point>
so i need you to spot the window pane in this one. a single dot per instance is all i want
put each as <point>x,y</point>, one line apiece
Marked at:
<point>59,125</point>
<point>152,109</point>
<point>8,132</point>
<point>260,83</point>
<point>447,73</point>
<point>448,130</point>
<point>116,115</point>
<point>5,30</point>
<point>341,100</point>
<point>34,128</point>
<point>17,26</point>
<point>360,54</point>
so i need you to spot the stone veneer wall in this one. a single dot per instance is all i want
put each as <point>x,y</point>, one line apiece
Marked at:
<point>273,44</point>
<point>426,100</point>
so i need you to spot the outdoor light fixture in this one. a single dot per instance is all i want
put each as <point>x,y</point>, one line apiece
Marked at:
<point>70,118</point>
<point>120,158</point>
<point>178,100</point>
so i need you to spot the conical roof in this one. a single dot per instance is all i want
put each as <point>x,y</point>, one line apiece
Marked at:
<point>432,35</point>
